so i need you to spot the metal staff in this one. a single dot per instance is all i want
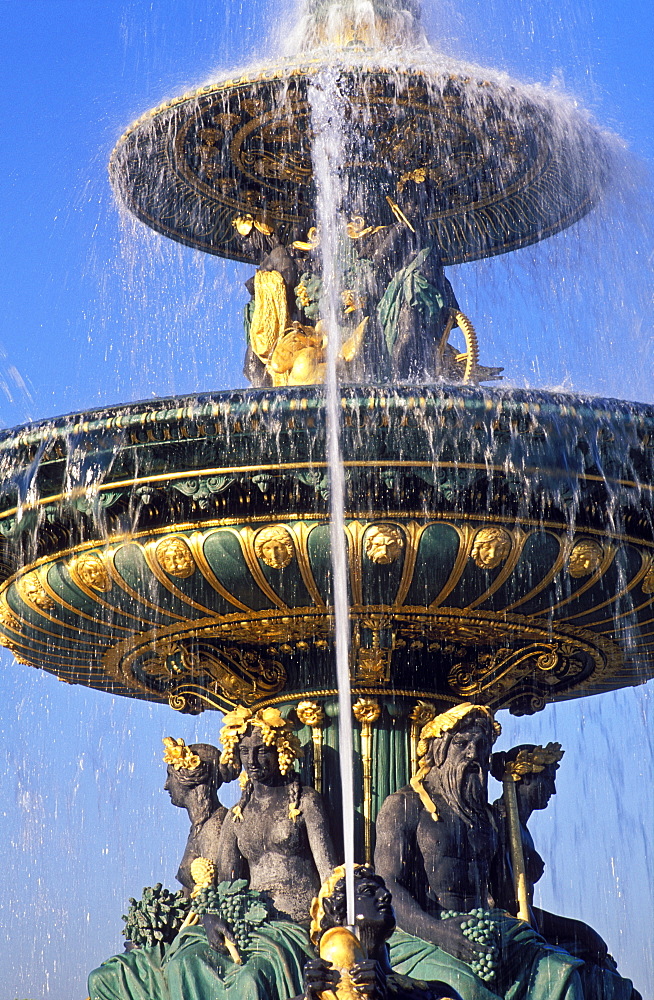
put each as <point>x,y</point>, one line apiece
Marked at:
<point>509,779</point>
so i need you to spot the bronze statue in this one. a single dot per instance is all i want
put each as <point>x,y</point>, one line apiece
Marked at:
<point>533,773</point>
<point>277,836</point>
<point>371,975</point>
<point>193,779</point>
<point>440,854</point>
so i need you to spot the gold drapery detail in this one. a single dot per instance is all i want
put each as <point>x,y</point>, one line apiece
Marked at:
<point>270,317</point>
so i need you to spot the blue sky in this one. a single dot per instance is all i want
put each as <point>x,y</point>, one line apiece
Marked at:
<point>94,311</point>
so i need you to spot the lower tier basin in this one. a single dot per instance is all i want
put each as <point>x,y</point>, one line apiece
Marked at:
<point>500,546</point>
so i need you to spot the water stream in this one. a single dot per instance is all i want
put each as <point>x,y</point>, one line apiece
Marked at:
<point>327,117</point>
<point>73,753</point>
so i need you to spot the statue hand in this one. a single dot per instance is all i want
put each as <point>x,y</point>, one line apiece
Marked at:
<point>319,976</point>
<point>369,979</point>
<point>217,933</point>
<point>452,940</point>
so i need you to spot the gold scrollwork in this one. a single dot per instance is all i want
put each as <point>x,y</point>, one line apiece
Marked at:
<point>177,701</point>
<point>243,675</point>
<point>505,667</point>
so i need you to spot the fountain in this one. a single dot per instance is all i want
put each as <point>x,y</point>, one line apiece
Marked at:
<point>498,542</point>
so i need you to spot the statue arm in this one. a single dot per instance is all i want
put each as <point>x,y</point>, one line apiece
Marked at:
<point>231,863</point>
<point>397,824</point>
<point>317,827</point>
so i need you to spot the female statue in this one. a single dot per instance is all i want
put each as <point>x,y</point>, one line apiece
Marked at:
<point>196,965</point>
<point>194,777</point>
<point>534,772</point>
<point>277,836</point>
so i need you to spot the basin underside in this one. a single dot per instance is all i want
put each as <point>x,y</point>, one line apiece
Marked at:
<point>500,547</point>
<point>484,168</point>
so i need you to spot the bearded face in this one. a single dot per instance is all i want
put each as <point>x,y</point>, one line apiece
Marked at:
<point>461,765</point>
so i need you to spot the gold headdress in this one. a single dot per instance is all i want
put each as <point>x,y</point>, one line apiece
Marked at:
<point>443,723</point>
<point>446,721</point>
<point>275,731</point>
<point>178,755</point>
<point>326,891</point>
<point>533,761</point>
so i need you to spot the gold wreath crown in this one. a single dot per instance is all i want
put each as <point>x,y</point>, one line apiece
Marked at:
<point>446,721</point>
<point>274,728</point>
<point>533,761</point>
<point>178,755</point>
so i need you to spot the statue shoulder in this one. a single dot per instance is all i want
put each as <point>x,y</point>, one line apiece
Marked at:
<point>311,799</point>
<point>402,806</point>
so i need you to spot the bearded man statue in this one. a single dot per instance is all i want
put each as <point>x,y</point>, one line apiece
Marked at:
<point>439,853</point>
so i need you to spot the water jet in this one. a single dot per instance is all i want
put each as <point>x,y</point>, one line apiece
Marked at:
<point>112,582</point>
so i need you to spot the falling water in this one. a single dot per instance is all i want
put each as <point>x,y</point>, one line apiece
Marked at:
<point>326,110</point>
<point>105,747</point>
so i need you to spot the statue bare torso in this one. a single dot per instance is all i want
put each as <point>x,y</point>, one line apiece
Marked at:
<point>283,857</point>
<point>456,859</point>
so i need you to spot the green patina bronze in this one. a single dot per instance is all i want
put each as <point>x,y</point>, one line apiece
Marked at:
<point>158,581</point>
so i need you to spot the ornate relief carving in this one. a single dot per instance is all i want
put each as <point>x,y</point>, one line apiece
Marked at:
<point>647,585</point>
<point>239,675</point>
<point>491,547</point>
<point>383,544</point>
<point>91,571</point>
<point>274,546</point>
<point>174,556</point>
<point>33,592</point>
<point>585,558</point>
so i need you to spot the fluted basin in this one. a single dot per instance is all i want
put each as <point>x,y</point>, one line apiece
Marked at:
<point>500,546</point>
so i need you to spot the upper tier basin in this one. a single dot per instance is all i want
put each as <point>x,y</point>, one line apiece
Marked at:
<point>481,166</point>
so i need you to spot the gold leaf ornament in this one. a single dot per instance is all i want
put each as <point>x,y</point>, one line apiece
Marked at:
<point>33,591</point>
<point>533,761</point>
<point>585,558</point>
<point>244,224</point>
<point>366,710</point>
<point>384,544</point>
<point>647,586</point>
<point>174,556</point>
<point>357,228</point>
<point>446,721</point>
<point>90,569</point>
<point>310,713</point>
<point>491,547</point>
<point>178,755</point>
<point>422,713</point>
<point>312,241</point>
<point>274,546</point>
